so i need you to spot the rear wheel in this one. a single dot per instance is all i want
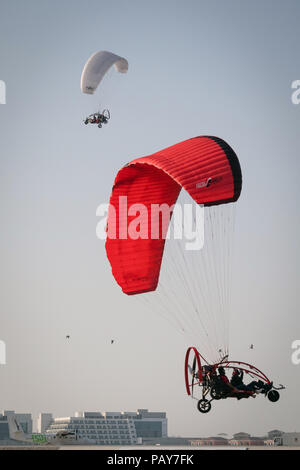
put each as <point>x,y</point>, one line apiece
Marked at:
<point>204,406</point>
<point>273,395</point>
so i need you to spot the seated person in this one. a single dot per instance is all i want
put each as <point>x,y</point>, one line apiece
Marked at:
<point>227,386</point>
<point>237,382</point>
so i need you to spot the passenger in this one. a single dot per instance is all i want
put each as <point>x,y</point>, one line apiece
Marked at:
<point>254,386</point>
<point>225,381</point>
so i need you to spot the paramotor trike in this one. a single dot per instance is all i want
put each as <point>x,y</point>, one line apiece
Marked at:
<point>200,374</point>
<point>98,118</point>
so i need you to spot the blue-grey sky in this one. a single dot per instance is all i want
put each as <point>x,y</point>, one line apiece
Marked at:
<point>221,67</point>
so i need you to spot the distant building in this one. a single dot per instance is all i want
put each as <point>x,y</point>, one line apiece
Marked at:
<point>43,422</point>
<point>288,439</point>
<point>97,428</point>
<point>149,424</point>
<point>209,441</point>
<point>274,433</point>
<point>269,442</point>
<point>241,435</point>
<point>4,429</point>
<point>24,419</point>
<point>108,428</point>
<point>248,441</point>
<point>167,441</point>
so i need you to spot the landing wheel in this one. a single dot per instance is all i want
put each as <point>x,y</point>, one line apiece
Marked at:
<point>99,125</point>
<point>273,395</point>
<point>204,406</point>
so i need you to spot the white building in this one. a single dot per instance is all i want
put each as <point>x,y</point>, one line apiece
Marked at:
<point>288,439</point>
<point>43,422</point>
<point>107,428</point>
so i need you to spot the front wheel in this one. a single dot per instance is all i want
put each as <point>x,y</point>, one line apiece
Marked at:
<point>273,395</point>
<point>204,406</point>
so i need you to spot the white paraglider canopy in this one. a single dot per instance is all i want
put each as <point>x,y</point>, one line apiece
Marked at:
<point>97,66</point>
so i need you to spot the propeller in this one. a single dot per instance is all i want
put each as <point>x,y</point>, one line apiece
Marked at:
<point>193,373</point>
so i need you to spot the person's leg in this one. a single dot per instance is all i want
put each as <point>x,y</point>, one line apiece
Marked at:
<point>252,386</point>
<point>242,387</point>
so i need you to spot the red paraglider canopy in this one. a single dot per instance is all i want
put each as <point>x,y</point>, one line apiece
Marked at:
<point>206,167</point>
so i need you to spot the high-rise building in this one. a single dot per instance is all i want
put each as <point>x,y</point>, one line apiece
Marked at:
<point>43,422</point>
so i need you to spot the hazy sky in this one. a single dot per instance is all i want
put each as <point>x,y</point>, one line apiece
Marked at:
<point>221,67</point>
